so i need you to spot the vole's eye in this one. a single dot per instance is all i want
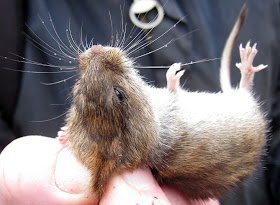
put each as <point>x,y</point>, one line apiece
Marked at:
<point>119,94</point>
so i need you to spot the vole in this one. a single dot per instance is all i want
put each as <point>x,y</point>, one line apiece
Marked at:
<point>201,143</point>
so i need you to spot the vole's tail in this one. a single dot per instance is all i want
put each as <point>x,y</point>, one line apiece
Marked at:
<point>226,56</point>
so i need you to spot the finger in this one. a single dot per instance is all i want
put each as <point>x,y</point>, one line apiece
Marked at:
<point>238,65</point>
<point>247,50</point>
<point>176,197</point>
<point>252,54</point>
<point>36,170</point>
<point>242,53</point>
<point>137,187</point>
<point>259,67</point>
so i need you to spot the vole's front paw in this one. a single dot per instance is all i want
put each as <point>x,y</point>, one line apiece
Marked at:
<point>61,135</point>
<point>173,77</point>
<point>246,67</point>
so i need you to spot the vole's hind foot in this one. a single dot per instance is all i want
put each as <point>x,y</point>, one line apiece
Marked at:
<point>61,135</point>
<point>246,67</point>
<point>173,77</point>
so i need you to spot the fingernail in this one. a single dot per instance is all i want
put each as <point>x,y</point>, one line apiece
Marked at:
<point>70,175</point>
<point>140,179</point>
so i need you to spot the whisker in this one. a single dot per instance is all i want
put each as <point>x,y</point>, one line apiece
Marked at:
<point>112,30</point>
<point>91,42</point>
<point>120,30</point>
<point>139,40</point>
<point>200,61</point>
<point>60,81</point>
<point>123,27</point>
<point>153,67</point>
<point>133,30</point>
<point>57,39</point>
<point>81,39</point>
<point>43,44</point>
<point>62,104</point>
<point>182,65</point>
<point>25,60</point>
<point>164,46</point>
<point>124,37</point>
<point>38,72</point>
<point>160,36</point>
<point>86,42</point>
<point>128,47</point>
<point>148,53</point>
<point>56,54</point>
<point>136,38</point>
<point>54,118</point>
<point>184,83</point>
<point>143,31</point>
<point>71,40</point>
<point>61,42</point>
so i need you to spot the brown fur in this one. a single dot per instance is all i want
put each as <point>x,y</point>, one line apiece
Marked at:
<point>107,134</point>
<point>201,143</point>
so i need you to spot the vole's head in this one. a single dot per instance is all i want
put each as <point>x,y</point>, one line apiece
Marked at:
<point>106,77</point>
<point>111,105</point>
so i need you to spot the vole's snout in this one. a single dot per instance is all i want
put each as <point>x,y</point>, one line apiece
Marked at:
<point>85,58</point>
<point>97,50</point>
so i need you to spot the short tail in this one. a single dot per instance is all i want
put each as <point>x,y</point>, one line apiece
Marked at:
<point>226,56</point>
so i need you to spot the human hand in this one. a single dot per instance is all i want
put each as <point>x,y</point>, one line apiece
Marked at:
<point>39,170</point>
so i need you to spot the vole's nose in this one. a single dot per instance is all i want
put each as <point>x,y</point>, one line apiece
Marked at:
<point>97,50</point>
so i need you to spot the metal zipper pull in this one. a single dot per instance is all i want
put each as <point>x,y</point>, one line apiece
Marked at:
<point>142,7</point>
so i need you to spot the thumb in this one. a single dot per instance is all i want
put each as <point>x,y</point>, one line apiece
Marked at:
<point>38,170</point>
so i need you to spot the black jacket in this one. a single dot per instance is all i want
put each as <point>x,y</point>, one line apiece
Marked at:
<point>28,106</point>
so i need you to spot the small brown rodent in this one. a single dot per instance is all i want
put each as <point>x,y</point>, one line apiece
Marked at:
<point>201,143</point>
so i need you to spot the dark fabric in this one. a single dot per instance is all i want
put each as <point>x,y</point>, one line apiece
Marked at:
<point>11,41</point>
<point>208,24</point>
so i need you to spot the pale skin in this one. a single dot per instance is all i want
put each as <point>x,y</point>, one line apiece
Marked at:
<point>40,170</point>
